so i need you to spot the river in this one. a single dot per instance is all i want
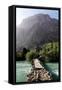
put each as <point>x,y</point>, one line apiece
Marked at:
<point>24,67</point>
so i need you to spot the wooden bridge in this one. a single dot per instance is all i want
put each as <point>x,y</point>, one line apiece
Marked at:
<point>37,64</point>
<point>38,73</point>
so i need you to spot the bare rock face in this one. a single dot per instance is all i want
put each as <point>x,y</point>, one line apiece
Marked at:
<point>36,30</point>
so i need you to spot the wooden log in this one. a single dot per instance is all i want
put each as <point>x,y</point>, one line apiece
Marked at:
<point>38,73</point>
<point>37,64</point>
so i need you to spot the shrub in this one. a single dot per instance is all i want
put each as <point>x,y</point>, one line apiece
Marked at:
<point>32,55</point>
<point>51,51</point>
<point>21,55</point>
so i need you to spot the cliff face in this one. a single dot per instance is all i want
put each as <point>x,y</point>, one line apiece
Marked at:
<point>36,30</point>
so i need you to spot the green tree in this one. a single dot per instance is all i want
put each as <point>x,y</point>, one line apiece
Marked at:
<point>32,55</point>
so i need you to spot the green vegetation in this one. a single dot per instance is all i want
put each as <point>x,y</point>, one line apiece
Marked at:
<point>21,55</point>
<point>49,52</point>
<point>32,55</point>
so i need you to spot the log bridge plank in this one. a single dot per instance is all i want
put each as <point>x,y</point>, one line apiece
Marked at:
<point>38,73</point>
<point>37,64</point>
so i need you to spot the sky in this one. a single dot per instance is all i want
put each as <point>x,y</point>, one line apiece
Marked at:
<point>22,13</point>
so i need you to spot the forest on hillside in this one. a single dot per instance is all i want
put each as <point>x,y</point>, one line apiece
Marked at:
<point>49,52</point>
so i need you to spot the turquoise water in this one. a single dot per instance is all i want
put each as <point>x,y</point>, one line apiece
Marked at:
<point>23,68</point>
<point>53,68</point>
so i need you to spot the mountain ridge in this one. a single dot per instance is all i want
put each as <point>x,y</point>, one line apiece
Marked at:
<point>36,30</point>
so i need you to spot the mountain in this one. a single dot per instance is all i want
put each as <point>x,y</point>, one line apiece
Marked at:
<point>36,30</point>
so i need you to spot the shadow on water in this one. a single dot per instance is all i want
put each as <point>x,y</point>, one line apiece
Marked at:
<point>54,76</point>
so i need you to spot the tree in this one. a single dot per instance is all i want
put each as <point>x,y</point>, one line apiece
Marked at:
<point>32,55</point>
